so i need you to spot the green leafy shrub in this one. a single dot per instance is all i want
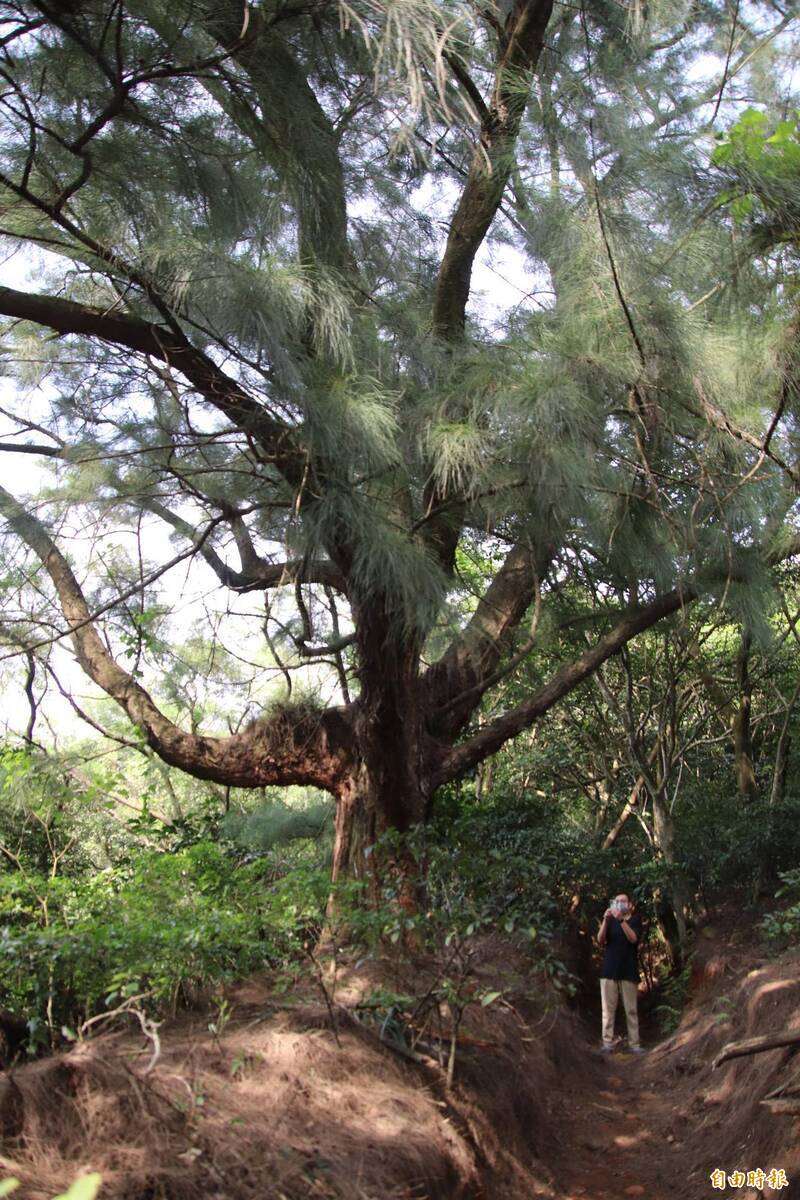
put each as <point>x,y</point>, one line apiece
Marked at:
<point>308,819</point>
<point>675,992</point>
<point>785,922</point>
<point>160,925</point>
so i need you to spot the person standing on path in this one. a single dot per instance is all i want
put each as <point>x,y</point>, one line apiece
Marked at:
<point>619,935</point>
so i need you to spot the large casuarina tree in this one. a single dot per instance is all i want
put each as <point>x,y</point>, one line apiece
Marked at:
<point>261,228</point>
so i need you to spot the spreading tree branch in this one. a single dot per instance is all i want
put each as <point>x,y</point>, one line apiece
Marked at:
<point>256,574</point>
<point>291,128</point>
<point>165,345</point>
<point>454,762</point>
<point>456,682</point>
<point>283,751</point>
<point>520,45</point>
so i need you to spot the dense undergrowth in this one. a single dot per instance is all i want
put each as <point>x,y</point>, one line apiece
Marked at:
<point>96,915</point>
<point>169,912</point>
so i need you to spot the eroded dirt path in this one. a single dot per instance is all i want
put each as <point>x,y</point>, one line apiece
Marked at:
<point>620,1131</point>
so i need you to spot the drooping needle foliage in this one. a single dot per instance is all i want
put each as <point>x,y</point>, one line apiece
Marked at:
<point>334,299</point>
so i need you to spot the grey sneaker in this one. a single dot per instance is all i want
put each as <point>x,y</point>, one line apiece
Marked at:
<point>636,1049</point>
<point>606,1048</point>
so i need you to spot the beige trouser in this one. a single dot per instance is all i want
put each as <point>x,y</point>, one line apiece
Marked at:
<point>610,990</point>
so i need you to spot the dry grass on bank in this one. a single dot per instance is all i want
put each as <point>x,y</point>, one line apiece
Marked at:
<point>274,1109</point>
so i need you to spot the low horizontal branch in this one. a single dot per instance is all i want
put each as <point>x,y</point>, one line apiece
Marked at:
<point>279,750</point>
<point>334,647</point>
<point>757,1045</point>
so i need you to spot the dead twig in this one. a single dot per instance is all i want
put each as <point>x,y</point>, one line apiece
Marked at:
<point>328,995</point>
<point>130,1007</point>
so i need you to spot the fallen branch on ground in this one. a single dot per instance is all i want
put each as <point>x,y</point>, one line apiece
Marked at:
<point>769,1041</point>
<point>787,1107</point>
<point>789,1087</point>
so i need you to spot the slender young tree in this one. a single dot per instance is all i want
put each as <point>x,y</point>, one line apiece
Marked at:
<point>260,328</point>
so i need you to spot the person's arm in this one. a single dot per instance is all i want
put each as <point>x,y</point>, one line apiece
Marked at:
<point>602,933</point>
<point>630,933</point>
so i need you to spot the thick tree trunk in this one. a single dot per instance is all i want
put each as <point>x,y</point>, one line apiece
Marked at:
<point>389,786</point>
<point>362,817</point>
<point>355,829</point>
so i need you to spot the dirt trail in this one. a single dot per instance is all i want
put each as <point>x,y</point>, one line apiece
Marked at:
<point>617,1134</point>
<point>657,1125</point>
